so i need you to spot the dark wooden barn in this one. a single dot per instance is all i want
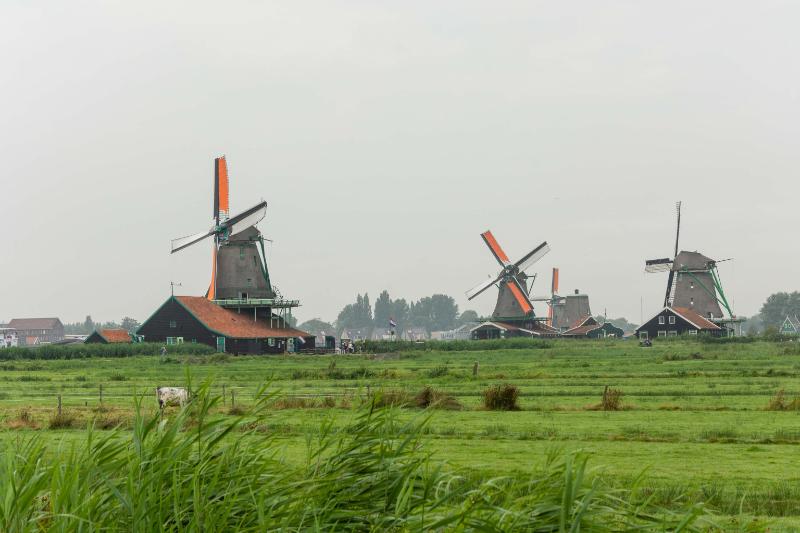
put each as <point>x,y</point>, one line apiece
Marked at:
<point>109,336</point>
<point>196,319</point>
<point>674,321</point>
<point>589,328</point>
<point>506,330</point>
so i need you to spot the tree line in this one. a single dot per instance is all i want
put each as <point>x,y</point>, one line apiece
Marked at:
<point>88,326</point>
<point>437,312</point>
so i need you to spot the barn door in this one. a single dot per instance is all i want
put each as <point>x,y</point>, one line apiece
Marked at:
<point>221,344</point>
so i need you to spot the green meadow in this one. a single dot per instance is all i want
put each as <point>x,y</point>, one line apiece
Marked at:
<point>711,423</point>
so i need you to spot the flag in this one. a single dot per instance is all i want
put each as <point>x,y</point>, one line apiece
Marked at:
<point>392,323</point>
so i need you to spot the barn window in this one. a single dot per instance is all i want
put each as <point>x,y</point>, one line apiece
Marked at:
<point>178,340</point>
<point>271,341</point>
<point>692,332</point>
<point>661,320</point>
<point>170,340</point>
<point>662,333</point>
<point>673,333</point>
<point>173,324</point>
<point>672,320</point>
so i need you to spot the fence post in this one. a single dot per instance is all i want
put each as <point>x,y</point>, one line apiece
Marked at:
<point>475,370</point>
<point>59,405</point>
<point>223,395</point>
<point>233,398</point>
<point>101,394</point>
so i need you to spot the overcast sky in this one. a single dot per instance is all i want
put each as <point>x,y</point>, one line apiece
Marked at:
<point>386,136</point>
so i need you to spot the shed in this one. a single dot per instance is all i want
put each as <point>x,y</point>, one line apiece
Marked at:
<point>109,336</point>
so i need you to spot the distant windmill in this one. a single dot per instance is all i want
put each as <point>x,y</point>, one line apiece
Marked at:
<point>513,301</point>
<point>238,269</point>
<point>693,281</point>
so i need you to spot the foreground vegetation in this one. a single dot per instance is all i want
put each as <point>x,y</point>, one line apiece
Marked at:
<point>680,423</point>
<point>200,471</point>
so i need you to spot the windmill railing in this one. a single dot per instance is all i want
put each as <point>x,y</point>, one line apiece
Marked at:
<point>257,302</point>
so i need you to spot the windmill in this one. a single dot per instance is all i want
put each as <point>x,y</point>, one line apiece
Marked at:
<point>693,281</point>
<point>238,266</point>
<point>513,302</point>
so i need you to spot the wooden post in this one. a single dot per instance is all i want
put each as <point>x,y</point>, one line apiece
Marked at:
<point>475,370</point>
<point>223,395</point>
<point>101,394</point>
<point>233,398</point>
<point>59,405</point>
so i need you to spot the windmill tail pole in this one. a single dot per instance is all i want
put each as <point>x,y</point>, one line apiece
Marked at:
<point>678,232</point>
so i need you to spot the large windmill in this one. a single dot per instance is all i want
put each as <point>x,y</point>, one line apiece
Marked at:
<point>238,268</point>
<point>513,301</point>
<point>693,282</point>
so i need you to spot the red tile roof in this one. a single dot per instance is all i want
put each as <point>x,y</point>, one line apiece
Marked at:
<point>115,335</point>
<point>34,323</point>
<point>232,324</point>
<point>694,318</point>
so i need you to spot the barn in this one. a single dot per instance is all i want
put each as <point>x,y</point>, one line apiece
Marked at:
<point>590,328</point>
<point>109,336</point>
<point>506,330</point>
<point>196,319</point>
<point>674,321</point>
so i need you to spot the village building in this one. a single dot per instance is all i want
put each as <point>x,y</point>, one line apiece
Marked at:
<point>674,321</point>
<point>33,331</point>
<point>505,330</point>
<point>590,328</point>
<point>109,336</point>
<point>790,326</point>
<point>183,319</point>
<point>8,337</point>
<point>415,334</point>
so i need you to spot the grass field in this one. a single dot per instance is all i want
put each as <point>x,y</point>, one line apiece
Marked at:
<point>694,419</point>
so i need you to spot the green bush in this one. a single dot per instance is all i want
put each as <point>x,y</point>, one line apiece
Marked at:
<point>83,351</point>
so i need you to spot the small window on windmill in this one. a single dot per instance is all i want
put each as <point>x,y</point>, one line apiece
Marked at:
<point>691,284</point>
<point>661,320</point>
<point>672,320</point>
<point>691,301</point>
<point>249,282</point>
<point>241,252</point>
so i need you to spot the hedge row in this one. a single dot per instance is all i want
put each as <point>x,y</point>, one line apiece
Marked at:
<point>82,351</point>
<point>520,343</point>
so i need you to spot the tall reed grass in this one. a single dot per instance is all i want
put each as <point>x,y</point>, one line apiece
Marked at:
<point>194,470</point>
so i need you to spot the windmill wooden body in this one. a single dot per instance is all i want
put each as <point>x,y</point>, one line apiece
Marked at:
<point>239,271</point>
<point>514,305</point>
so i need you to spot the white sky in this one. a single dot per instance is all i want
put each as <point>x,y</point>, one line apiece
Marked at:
<point>386,136</point>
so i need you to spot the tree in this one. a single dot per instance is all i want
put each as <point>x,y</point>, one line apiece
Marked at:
<point>434,313</point>
<point>778,306</point>
<point>400,313</point>
<point>129,324</point>
<point>315,325</point>
<point>88,325</point>
<point>383,310</point>
<point>357,316</point>
<point>467,317</point>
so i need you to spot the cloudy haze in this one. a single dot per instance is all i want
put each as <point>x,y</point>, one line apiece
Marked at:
<point>386,137</point>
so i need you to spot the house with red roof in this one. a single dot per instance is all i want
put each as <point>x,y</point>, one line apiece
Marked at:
<point>674,321</point>
<point>109,336</point>
<point>196,319</point>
